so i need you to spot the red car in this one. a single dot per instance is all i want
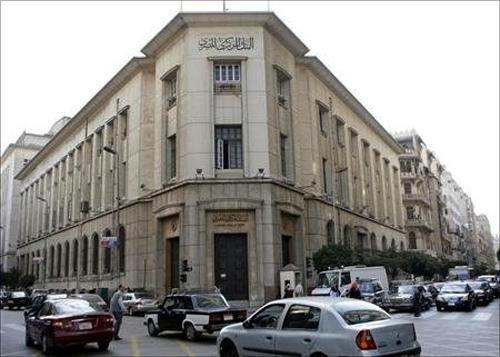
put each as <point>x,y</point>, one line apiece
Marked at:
<point>68,322</point>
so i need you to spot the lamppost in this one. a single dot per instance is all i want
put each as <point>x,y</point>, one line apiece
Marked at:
<point>45,239</point>
<point>116,155</point>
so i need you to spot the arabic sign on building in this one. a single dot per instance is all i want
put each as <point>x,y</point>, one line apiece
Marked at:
<point>230,219</point>
<point>225,43</point>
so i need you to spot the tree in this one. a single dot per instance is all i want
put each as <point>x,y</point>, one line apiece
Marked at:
<point>11,278</point>
<point>330,256</point>
<point>26,281</point>
<point>498,255</point>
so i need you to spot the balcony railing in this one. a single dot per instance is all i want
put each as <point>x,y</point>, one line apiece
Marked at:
<point>419,223</point>
<point>416,197</point>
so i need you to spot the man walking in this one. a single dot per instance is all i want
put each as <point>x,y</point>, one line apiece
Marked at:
<point>117,309</point>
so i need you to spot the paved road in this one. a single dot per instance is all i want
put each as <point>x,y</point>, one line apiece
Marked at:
<point>440,333</point>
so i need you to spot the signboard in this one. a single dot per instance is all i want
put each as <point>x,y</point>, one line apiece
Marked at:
<point>230,219</point>
<point>109,242</point>
<point>229,43</point>
<point>38,260</point>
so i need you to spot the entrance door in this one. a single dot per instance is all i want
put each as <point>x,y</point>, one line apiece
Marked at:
<point>171,263</point>
<point>231,266</point>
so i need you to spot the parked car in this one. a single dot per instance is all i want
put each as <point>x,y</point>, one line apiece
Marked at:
<point>138,302</point>
<point>319,326</point>
<point>66,322</point>
<point>401,298</point>
<point>433,290</point>
<point>456,295</point>
<point>38,301</point>
<point>17,299</point>
<point>483,291</point>
<point>194,314</point>
<point>494,283</point>
<point>372,291</point>
<point>95,300</point>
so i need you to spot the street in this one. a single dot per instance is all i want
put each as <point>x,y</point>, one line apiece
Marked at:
<point>455,333</point>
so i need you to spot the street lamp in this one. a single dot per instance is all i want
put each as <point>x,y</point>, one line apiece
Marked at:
<point>115,153</point>
<point>45,240</point>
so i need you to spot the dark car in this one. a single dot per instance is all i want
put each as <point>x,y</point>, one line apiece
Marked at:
<point>372,291</point>
<point>38,301</point>
<point>401,298</point>
<point>69,322</point>
<point>194,314</point>
<point>17,299</point>
<point>456,295</point>
<point>484,292</point>
<point>95,300</point>
<point>494,283</point>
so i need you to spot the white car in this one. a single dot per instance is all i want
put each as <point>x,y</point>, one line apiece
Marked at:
<point>319,326</point>
<point>138,302</point>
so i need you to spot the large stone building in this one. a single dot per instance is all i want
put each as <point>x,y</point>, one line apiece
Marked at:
<point>13,159</point>
<point>424,210</point>
<point>486,248</point>
<point>226,149</point>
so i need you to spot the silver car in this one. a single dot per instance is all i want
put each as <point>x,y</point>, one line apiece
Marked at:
<point>138,302</point>
<point>319,326</point>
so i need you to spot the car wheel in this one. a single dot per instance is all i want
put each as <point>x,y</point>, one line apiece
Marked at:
<point>190,332</point>
<point>152,331</point>
<point>228,349</point>
<point>103,346</point>
<point>28,340</point>
<point>46,345</point>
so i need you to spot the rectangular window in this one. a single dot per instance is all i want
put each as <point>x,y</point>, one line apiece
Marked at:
<point>171,157</point>
<point>325,175</point>
<point>228,147</point>
<point>283,153</point>
<point>323,118</point>
<point>340,133</point>
<point>227,73</point>
<point>283,88</point>
<point>171,91</point>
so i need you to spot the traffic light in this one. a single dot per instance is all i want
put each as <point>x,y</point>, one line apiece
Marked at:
<point>183,277</point>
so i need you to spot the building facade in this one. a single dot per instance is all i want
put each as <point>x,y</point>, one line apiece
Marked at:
<point>485,246</point>
<point>423,207</point>
<point>13,159</point>
<point>225,149</point>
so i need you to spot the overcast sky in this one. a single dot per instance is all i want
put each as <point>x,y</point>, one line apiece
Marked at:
<point>429,66</point>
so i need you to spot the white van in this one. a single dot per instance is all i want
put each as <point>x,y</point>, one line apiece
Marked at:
<point>346,276</point>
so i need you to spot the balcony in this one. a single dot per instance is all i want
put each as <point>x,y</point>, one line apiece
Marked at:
<point>419,223</point>
<point>416,197</point>
<point>408,175</point>
<point>409,153</point>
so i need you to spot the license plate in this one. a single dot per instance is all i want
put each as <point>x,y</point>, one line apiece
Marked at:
<point>84,325</point>
<point>228,317</point>
<point>451,304</point>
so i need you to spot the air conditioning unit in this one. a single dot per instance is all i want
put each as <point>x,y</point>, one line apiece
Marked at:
<point>84,206</point>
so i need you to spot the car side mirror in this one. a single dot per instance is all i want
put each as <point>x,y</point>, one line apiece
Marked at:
<point>247,324</point>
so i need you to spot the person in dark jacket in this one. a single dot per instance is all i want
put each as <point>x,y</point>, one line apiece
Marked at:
<point>354,292</point>
<point>418,297</point>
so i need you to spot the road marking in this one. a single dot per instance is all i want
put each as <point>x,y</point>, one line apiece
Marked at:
<point>185,348</point>
<point>135,347</point>
<point>482,316</point>
<point>14,327</point>
<point>449,317</point>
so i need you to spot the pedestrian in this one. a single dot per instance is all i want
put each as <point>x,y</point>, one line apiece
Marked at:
<point>117,309</point>
<point>354,292</point>
<point>299,290</point>
<point>417,300</point>
<point>334,290</point>
<point>288,291</point>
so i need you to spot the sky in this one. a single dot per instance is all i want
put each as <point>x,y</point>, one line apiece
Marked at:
<point>428,66</point>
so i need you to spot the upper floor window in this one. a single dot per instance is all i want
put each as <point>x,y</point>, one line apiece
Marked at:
<point>407,188</point>
<point>283,88</point>
<point>227,76</point>
<point>323,118</point>
<point>171,90</point>
<point>228,147</point>
<point>340,133</point>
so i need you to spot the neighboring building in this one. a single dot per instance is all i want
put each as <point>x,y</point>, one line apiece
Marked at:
<point>231,152</point>
<point>13,159</point>
<point>486,252</point>
<point>496,246</point>
<point>424,210</point>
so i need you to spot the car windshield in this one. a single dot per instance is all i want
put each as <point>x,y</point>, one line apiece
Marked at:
<point>477,284</point>
<point>358,312</point>
<point>366,287</point>
<point>18,294</point>
<point>453,289</point>
<point>143,296</point>
<point>207,301</point>
<point>404,289</point>
<point>326,280</point>
<point>73,306</point>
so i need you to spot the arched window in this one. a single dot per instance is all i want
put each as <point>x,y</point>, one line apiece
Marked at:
<point>85,255</point>
<point>76,251</point>
<point>393,244</point>
<point>401,246</point>
<point>45,262</point>
<point>347,236</point>
<point>66,259</point>
<point>373,242</point>
<point>384,243</point>
<point>330,232</point>
<point>107,254</point>
<point>52,256</point>
<point>59,256</point>
<point>413,240</point>
<point>38,265</point>
<point>121,248</point>
<point>95,254</point>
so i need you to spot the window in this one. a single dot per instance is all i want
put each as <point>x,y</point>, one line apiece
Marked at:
<point>326,181</point>
<point>75,257</point>
<point>330,232</point>
<point>52,256</point>
<point>268,317</point>
<point>66,259</point>
<point>323,118</point>
<point>410,212</point>
<point>286,249</point>
<point>95,254</point>
<point>171,91</point>
<point>407,188</point>
<point>121,248</point>
<point>283,88</point>
<point>412,240</point>
<point>85,255</point>
<point>384,243</point>
<point>171,157</point>
<point>227,73</point>
<point>340,133</point>
<point>283,153</point>
<point>107,255</point>
<point>302,317</point>
<point>228,147</point>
